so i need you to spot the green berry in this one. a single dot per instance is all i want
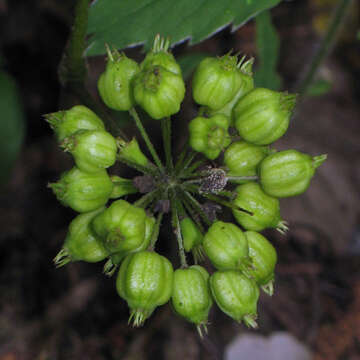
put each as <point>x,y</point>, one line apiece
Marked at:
<point>159,91</point>
<point>262,116</point>
<point>114,84</point>
<point>288,173</point>
<point>122,187</point>
<point>115,259</point>
<point>247,84</point>
<point>93,150</point>
<point>67,122</point>
<point>121,227</point>
<point>160,55</point>
<point>264,209</point>
<point>264,258</point>
<point>83,191</point>
<point>209,135</point>
<point>81,243</point>
<point>226,246</point>
<point>236,295</point>
<point>145,281</point>
<point>191,296</point>
<point>242,159</point>
<point>216,81</point>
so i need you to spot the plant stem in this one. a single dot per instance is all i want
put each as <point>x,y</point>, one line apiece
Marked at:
<point>196,205</point>
<point>140,168</point>
<point>166,133</point>
<point>156,230</point>
<point>146,199</point>
<point>325,45</point>
<point>72,67</point>
<point>147,140</point>
<point>241,178</point>
<point>193,167</point>
<point>218,200</point>
<point>229,194</point>
<point>176,227</point>
<point>182,156</point>
<point>186,163</point>
<point>193,215</point>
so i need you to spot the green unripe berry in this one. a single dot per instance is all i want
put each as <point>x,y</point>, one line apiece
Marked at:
<point>236,295</point>
<point>264,209</point>
<point>121,227</point>
<point>116,258</point>
<point>191,296</point>
<point>242,159</point>
<point>264,258</point>
<point>114,84</point>
<point>145,281</point>
<point>122,187</point>
<point>83,191</point>
<point>262,116</point>
<point>67,122</point>
<point>93,150</point>
<point>163,59</point>
<point>247,84</point>
<point>159,91</point>
<point>209,135</point>
<point>81,243</point>
<point>288,173</point>
<point>216,81</point>
<point>226,246</point>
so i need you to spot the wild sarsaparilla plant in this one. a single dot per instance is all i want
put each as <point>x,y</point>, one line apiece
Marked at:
<point>226,162</point>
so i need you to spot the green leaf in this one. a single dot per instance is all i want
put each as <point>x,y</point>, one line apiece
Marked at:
<point>319,87</point>
<point>189,62</point>
<point>12,125</point>
<point>267,41</point>
<point>123,23</point>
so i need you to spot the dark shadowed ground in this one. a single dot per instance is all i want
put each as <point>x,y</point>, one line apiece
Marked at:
<point>75,312</point>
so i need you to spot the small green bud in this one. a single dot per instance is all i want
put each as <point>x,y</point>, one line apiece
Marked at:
<point>264,258</point>
<point>145,281</point>
<point>81,243</point>
<point>262,116</point>
<point>122,187</point>
<point>67,122</point>
<point>114,84</point>
<point>191,296</point>
<point>288,173</point>
<point>209,135</point>
<point>226,246</point>
<point>131,152</point>
<point>242,159</point>
<point>218,80</point>
<point>159,91</point>
<point>264,209</point>
<point>83,191</point>
<point>93,150</point>
<point>236,295</point>
<point>192,238</point>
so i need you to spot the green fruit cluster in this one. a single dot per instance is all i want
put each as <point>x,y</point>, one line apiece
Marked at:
<point>249,179</point>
